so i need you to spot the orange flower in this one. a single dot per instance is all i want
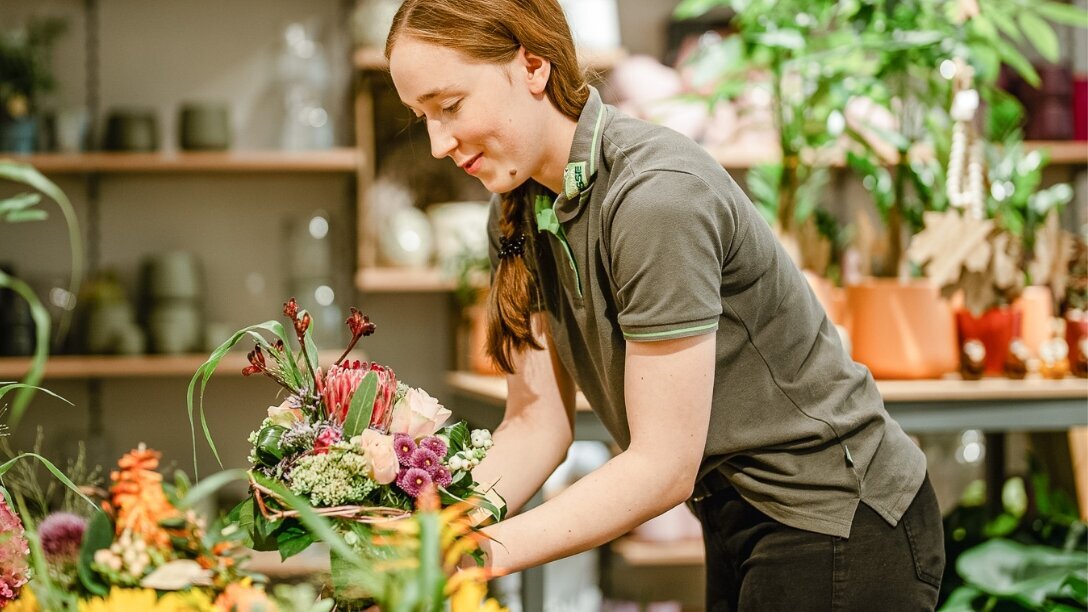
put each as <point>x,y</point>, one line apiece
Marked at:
<point>138,499</point>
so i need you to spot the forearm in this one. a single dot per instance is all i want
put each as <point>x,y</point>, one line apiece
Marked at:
<point>525,453</point>
<point>624,493</point>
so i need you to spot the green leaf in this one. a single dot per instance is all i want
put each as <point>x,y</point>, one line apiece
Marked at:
<point>27,175</point>
<point>962,600</point>
<point>242,516</point>
<point>205,371</point>
<point>1063,13</point>
<point>5,467</point>
<point>1041,35</point>
<point>36,371</point>
<point>1019,63</point>
<point>210,485</point>
<point>362,406</point>
<point>689,9</point>
<point>1078,587</point>
<point>293,540</point>
<point>268,447</point>
<point>99,535</point>
<point>1027,574</point>
<point>21,201</point>
<point>460,437</point>
<point>1004,23</point>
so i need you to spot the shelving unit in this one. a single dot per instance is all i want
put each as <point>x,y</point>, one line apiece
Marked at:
<point>136,366</point>
<point>341,160</point>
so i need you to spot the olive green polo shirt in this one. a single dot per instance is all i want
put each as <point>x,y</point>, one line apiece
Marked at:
<point>653,240</point>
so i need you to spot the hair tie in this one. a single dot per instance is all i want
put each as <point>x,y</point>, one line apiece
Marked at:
<point>511,247</point>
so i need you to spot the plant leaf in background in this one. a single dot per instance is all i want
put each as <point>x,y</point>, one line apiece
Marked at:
<point>17,209</point>
<point>1027,575</point>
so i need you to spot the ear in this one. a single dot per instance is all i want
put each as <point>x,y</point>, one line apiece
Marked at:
<point>537,70</point>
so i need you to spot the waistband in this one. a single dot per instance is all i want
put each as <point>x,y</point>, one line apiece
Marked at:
<point>713,482</point>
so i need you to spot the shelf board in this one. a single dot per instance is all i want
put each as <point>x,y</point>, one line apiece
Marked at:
<point>344,159</point>
<point>642,553</point>
<point>1062,152</point>
<point>136,366</point>
<point>373,58</point>
<point>403,280</point>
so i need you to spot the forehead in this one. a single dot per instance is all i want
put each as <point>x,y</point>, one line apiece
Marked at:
<point>420,68</point>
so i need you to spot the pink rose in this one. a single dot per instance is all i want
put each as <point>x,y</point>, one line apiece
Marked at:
<point>418,414</point>
<point>380,453</point>
<point>286,413</point>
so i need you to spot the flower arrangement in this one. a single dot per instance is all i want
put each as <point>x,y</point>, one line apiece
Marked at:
<point>145,550</point>
<point>351,443</point>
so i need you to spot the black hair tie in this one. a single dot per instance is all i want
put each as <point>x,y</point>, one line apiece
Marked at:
<point>511,247</point>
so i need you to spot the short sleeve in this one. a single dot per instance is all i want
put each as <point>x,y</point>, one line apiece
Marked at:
<point>668,238</point>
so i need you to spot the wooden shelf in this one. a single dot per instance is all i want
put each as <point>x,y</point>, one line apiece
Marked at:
<point>403,280</point>
<point>333,160</point>
<point>373,58</point>
<point>1062,152</point>
<point>137,366</point>
<point>642,553</point>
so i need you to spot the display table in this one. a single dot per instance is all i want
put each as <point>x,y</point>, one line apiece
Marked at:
<point>992,405</point>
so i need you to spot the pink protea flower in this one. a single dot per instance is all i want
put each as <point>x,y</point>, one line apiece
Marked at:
<point>62,535</point>
<point>339,385</point>
<point>14,552</point>
<point>405,446</point>
<point>424,459</point>
<point>413,480</point>
<point>383,402</point>
<point>326,438</point>
<point>442,476</point>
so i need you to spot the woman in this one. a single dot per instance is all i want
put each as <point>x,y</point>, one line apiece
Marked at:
<point>628,262</point>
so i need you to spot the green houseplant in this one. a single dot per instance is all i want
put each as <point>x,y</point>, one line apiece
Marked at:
<point>25,75</point>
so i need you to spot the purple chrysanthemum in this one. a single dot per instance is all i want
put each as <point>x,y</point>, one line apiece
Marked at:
<point>405,446</point>
<point>442,476</point>
<point>62,535</point>
<point>413,480</point>
<point>14,551</point>
<point>424,459</point>
<point>435,445</point>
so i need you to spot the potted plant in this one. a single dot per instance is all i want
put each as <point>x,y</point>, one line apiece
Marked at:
<point>25,75</point>
<point>470,294</point>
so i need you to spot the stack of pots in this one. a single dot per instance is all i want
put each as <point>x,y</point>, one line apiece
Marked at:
<point>173,299</point>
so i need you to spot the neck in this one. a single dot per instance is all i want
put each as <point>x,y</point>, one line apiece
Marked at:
<point>560,131</point>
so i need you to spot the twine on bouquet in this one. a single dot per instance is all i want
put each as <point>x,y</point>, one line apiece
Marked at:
<point>360,514</point>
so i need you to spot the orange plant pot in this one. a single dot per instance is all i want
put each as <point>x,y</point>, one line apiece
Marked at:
<point>1036,308</point>
<point>995,328</point>
<point>901,329</point>
<point>478,359</point>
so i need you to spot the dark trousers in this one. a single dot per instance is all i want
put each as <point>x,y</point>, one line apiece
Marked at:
<point>754,563</point>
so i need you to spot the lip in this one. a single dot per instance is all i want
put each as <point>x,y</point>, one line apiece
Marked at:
<point>472,166</point>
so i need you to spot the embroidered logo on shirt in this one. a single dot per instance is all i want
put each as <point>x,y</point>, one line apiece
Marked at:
<point>575,179</point>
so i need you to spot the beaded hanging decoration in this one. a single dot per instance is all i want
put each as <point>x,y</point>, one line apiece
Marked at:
<point>965,155</point>
<point>511,247</point>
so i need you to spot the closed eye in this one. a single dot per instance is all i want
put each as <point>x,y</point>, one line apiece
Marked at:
<point>452,108</point>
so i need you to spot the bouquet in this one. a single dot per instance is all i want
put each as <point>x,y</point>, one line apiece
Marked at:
<point>145,549</point>
<point>350,443</point>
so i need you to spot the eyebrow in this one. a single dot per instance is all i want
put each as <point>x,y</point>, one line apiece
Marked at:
<point>434,93</point>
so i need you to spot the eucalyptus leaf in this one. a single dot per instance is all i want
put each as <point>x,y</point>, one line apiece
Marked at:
<point>362,406</point>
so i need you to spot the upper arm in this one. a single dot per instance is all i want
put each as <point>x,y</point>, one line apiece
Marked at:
<point>668,387</point>
<point>540,389</point>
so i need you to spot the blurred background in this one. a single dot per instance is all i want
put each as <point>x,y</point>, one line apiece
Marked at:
<point>923,162</point>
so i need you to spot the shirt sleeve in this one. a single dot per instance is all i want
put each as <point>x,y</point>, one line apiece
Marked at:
<point>668,239</point>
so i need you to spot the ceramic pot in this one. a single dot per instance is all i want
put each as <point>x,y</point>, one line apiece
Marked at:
<point>18,135</point>
<point>132,130</point>
<point>406,239</point>
<point>995,328</point>
<point>204,127</point>
<point>901,330</point>
<point>174,275</point>
<point>460,229</point>
<point>1036,308</point>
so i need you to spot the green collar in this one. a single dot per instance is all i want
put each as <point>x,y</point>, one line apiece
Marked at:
<point>581,170</point>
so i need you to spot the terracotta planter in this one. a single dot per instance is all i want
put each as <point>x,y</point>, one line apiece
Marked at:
<point>901,329</point>
<point>832,298</point>
<point>1036,308</point>
<point>995,328</point>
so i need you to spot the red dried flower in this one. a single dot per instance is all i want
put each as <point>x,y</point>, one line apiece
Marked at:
<point>290,309</point>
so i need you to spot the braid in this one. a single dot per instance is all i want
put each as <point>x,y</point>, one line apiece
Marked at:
<point>509,327</point>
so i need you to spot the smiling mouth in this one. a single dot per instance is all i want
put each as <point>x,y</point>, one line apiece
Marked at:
<point>473,164</point>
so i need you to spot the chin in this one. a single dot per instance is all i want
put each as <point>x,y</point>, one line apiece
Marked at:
<point>503,184</point>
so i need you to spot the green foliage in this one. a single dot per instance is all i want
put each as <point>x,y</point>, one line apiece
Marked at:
<point>362,406</point>
<point>25,71</point>
<point>19,209</point>
<point>1032,556</point>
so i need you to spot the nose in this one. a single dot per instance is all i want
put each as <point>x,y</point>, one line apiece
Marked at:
<point>442,142</point>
